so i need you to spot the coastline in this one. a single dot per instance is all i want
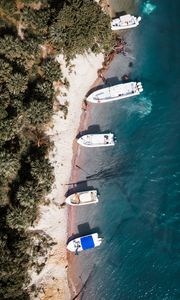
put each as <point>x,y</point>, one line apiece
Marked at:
<point>55,220</point>
<point>75,282</point>
<point>125,262</point>
<point>52,281</point>
<point>84,120</point>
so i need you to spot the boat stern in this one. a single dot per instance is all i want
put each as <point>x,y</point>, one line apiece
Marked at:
<point>97,240</point>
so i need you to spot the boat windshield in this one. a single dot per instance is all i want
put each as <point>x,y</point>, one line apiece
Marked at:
<point>75,199</point>
<point>106,139</point>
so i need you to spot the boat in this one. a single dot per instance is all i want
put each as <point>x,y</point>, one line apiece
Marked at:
<point>115,92</point>
<point>82,198</point>
<point>84,243</point>
<point>97,140</point>
<point>125,22</point>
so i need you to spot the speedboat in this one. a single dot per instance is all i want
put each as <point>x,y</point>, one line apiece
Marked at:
<point>125,22</point>
<point>97,140</point>
<point>82,198</point>
<point>116,92</point>
<point>84,243</point>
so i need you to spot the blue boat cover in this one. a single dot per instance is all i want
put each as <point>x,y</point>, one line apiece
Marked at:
<point>87,242</point>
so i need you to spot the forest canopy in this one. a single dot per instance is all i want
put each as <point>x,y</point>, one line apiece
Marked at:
<point>32,32</point>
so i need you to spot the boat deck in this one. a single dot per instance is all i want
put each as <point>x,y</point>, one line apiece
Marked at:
<point>117,91</point>
<point>125,22</point>
<point>98,139</point>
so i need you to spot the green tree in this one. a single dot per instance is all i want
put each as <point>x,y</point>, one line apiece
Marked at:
<point>39,112</point>
<point>32,32</point>
<point>81,25</point>
<point>18,84</point>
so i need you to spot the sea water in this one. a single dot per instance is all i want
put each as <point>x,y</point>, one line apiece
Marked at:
<point>138,179</point>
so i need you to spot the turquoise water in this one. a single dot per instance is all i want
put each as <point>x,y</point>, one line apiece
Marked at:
<point>139,179</point>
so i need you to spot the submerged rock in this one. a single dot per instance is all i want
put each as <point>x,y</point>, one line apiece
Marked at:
<point>148,7</point>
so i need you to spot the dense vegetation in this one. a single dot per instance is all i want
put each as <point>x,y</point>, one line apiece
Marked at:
<point>31,33</point>
<point>81,26</point>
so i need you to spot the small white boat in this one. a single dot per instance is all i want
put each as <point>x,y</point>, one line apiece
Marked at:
<point>116,92</point>
<point>84,243</point>
<point>125,22</point>
<point>97,140</point>
<point>82,198</point>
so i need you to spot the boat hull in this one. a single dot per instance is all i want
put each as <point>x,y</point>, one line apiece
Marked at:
<point>125,22</point>
<point>123,91</point>
<point>84,198</point>
<point>84,243</point>
<point>124,27</point>
<point>97,140</point>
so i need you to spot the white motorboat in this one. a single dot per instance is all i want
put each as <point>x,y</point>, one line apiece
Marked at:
<point>84,243</point>
<point>115,92</point>
<point>97,140</point>
<point>83,198</point>
<point>125,22</point>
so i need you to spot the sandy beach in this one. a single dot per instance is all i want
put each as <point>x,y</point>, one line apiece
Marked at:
<point>76,283</point>
<point>55,219</point>
<point>52,280</point>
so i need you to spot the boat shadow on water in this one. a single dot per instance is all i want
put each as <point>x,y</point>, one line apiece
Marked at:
<point>107,82</point>
<point>79,187</point>
<point>120,14</point>
<point>90,130</point>
<point>93,129</point>
<point>84,229</point>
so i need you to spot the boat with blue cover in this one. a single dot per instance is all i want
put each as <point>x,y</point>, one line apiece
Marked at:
<point>84,243</point>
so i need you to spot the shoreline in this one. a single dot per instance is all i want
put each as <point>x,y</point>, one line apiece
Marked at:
<point>52,281</point>
<point>75,286</point>
<point>84,119</point>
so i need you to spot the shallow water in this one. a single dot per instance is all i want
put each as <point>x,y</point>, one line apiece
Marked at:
<point>139,178</point>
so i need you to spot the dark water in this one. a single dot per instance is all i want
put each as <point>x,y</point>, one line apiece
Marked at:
<point>139,179</point>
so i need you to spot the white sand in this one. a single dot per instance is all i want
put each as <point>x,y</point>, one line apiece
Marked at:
<point>53,218</point>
